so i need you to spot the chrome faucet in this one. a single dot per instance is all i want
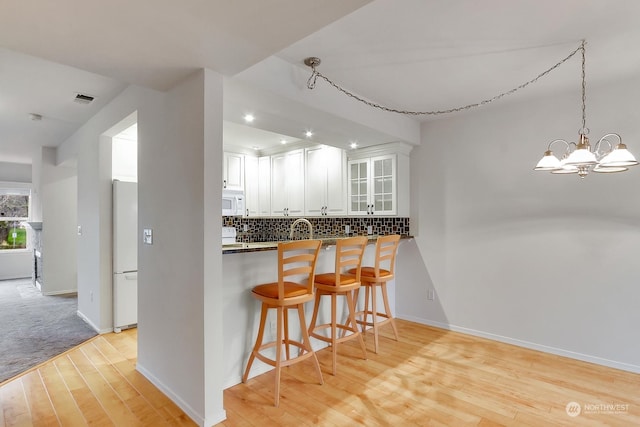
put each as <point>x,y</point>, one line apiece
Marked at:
<point>296,222</point>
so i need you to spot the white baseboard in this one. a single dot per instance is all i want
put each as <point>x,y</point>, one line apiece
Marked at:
<point>526,344</point>
<point>63,292</point>
<point>93,326</point>
<point>191,413</point>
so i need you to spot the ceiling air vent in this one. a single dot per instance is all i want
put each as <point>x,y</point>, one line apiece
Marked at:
<point>82,98</point>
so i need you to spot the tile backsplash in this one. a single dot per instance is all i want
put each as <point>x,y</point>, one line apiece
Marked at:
<point>277,229</point>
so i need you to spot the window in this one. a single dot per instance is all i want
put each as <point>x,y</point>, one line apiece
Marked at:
<point>14,211</point>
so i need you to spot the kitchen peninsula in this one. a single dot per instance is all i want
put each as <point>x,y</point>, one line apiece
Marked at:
<point>250,263</point>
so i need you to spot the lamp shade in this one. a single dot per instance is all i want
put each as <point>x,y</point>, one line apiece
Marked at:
<point>609,169</point>
<point>564,168</point>
<point>548,162</point>
<point>619,157</point>
<point>581,157</point>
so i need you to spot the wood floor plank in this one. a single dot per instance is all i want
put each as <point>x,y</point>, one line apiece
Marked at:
<point>16,409</point>
<point>87,403</point>
<point>61,398</point>
<point>114,406</point>
<point>40,406</point>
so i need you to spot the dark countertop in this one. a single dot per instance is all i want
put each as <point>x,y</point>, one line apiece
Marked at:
<point>239,247</point>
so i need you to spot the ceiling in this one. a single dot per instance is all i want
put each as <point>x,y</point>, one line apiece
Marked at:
<point>408,54</point>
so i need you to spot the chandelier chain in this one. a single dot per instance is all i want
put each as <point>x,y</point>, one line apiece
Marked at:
<point>311,83</point>
<point>584,89</point>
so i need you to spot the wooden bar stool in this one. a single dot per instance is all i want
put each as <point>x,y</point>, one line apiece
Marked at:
<point>349,253</point>
<point>374,277</point>
<point>296,267</point>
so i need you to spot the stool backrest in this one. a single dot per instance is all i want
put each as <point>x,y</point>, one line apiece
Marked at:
<point>386,249</point>
<point>349,254</point>
<point>297,263</point>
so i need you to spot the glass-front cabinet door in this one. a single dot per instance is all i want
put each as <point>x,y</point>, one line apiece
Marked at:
<point>372,185</point>
<point>359,187</point>
<point>383,195</point>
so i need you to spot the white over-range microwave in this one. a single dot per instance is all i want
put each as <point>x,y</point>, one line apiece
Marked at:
<point>232,202</point>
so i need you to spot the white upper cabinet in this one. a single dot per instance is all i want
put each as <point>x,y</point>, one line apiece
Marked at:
<point>251,188</point>
<point>325,181</point>
<point>233,171</point>
<point>287,183</point>
<point>264,186</point>
<point>372,186</point>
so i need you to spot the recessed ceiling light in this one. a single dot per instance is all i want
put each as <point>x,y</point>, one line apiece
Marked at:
<point>283,141</point>
<point>249,118</point>
<point>255,147</point>
<point>354,145</point>
<point>308,134</point>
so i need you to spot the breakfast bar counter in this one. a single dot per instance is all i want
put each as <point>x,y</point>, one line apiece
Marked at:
<point>246,265</point>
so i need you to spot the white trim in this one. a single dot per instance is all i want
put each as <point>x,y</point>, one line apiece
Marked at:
<point>197,418</point>
<point>12,184</point>
<point>398,147</point>
<point>526,344</point>
<point>94,327</point>
<point>15,251</point>
<point>62,292</point>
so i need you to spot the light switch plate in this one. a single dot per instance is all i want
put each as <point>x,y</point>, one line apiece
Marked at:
<point>147,236</point>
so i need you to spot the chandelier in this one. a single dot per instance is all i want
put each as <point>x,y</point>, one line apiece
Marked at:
<point>607,156</point>
<point>609,153</point>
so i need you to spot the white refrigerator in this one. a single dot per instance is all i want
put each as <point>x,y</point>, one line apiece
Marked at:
<point>125,254</point>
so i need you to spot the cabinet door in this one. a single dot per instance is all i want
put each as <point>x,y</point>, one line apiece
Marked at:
<point>358,177</point>
<point>336,181</point>
<point>251,185</point>
<point>295,182</point>
<point>233,171</point>
<point>279,194</point>
<point>315,181</point>
<point>383,185</point>
<point>264,186</point>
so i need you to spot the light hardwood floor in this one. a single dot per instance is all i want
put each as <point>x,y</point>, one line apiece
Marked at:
<point>431,377</point>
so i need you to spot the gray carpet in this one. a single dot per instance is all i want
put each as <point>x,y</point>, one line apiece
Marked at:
<point>34,328</point>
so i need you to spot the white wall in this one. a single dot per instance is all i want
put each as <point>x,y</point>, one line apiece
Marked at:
<point>179,154</point>
<point>15,172</point>
<point>58,193</point>
<point>528,257</point>
<point>15,264</point>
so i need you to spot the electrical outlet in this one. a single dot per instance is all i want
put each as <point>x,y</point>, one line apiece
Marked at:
<point>245,227</point>
<point>347,230</point>
<point>431,295</point>
<point>369,229</point>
